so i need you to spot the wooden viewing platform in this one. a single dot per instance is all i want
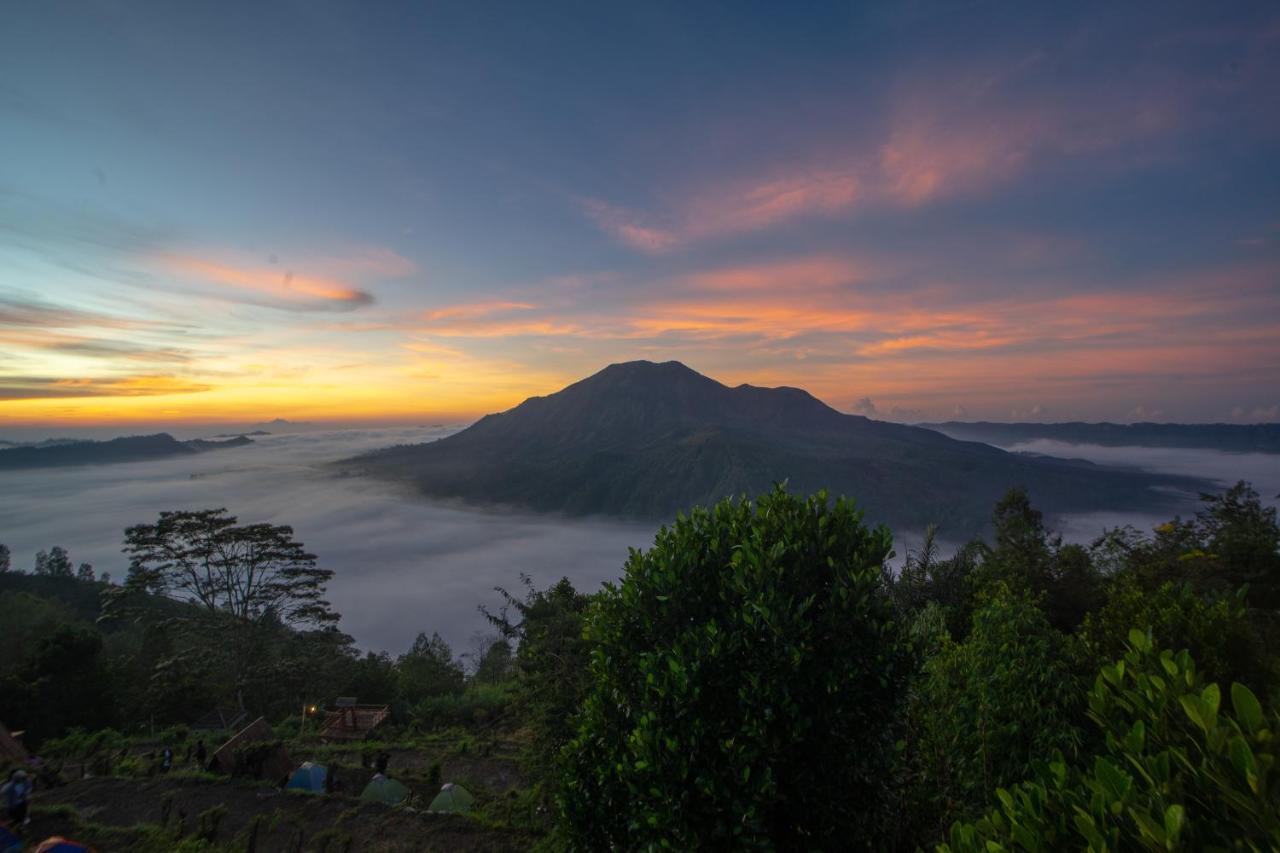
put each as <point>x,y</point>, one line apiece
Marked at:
<point>351,721</point>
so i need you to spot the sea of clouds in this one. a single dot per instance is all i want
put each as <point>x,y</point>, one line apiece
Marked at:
<point>404,564</point>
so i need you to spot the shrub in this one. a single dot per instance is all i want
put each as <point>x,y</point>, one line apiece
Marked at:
<point>984,710</point>
<point>1213,627</point>
<point>744,685</point>
<point>1179,770</point>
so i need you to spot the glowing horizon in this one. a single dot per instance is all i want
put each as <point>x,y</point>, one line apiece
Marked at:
<point>936,214</point>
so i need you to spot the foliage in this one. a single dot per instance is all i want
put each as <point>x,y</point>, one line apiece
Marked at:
<point>61,683</point>
<point>496,664</point>
<point>986,709</point>
<point>253,571</point>
<point>1028,558</point>
<point>926,579</point>
<point>55,563</point>
<point>251,580</point>
<point>552,659</point>
<point>1214,628</point>
<point>1180,770</point>
<point>746,681</point>
<point>429,670</point>
<point>5,558</point>
<point>477,705</point>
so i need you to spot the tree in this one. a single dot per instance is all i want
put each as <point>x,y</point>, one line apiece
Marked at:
<point>745,685</point>
<point>1243,537</point>
<point>553,654</point>
<point>85,573</point>
<point>429,669</point>
<point>61,683</point>
<point>4,558</point>
<point>54,563</point>
<point>495,664</point>
<point>986,709</point>
<point>250,577</point>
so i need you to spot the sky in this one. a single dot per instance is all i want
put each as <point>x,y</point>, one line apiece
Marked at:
<point>408,213</point>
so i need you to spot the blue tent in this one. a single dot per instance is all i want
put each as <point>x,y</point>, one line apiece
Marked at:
<point>308,777</point>
<point>9,840</point>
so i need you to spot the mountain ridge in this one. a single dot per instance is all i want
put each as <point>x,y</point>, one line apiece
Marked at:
<point>131,448</point>
<point>646,440</point>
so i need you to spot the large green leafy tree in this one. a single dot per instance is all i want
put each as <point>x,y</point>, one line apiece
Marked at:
<point>253,579</point>
<point>745,686</point>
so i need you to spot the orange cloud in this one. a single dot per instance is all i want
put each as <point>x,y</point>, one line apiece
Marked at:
<point>476,310</point>
<point>279,286</point>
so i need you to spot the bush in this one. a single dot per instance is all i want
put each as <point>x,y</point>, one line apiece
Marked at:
<point>984,710</point>
<point>1179,771</point>
<point>745,683</point>
<point>1214,628</point>
<point>476,705</point>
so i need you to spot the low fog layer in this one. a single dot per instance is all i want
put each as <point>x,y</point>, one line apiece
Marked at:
<point>1260,469</point>
<point>404,564</point>
<point>401,565</point>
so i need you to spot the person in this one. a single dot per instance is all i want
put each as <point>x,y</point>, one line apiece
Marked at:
<point>17,792</point>
<point>381,764</point>
<point>201,754</point>
<point>166,760</point>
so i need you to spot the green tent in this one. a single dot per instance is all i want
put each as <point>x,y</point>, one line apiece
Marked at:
<point>452,798</point>
<point>384,790</point>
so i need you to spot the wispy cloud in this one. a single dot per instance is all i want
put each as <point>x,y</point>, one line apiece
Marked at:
<point>43,387</point>
<point>940,138</point>
<point>270,285</point>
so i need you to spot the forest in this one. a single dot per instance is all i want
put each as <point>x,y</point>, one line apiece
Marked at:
<point>758,678</point>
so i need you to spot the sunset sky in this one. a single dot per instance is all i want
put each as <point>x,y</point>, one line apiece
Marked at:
<point>363,212</point>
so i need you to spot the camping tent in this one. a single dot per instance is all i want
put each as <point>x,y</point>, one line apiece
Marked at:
<point>58,844</point>
<point>384,790</point>
<point>308,777</point>
<point>8,840</point>
<point>452,798</point>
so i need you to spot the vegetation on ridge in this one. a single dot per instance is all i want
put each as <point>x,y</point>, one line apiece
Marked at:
<point>756,680</point>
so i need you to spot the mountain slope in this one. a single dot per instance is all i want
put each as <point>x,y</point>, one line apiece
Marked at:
<point>133,448</point>
<point>647,440</point>
<point>1235,438</point>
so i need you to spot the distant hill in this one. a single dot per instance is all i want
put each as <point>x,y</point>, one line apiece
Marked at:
<point>646,440</point>
<point>1236,438</point>
<point>134,448</point>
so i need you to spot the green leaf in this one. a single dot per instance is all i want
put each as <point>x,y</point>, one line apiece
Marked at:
<point>1247,707</point>
<point>1242,760</point>
<point>1211,698</point>
<point>1174,818</point>
<point>1191,704</point>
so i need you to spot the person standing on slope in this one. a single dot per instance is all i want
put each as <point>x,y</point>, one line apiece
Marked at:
<point>17,793</point>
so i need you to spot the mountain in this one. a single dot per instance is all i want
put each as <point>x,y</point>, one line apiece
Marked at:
<point>1235,438</point>
<point>133,448</point>
<point>646,440</point>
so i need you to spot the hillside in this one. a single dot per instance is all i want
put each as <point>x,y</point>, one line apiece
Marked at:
<point>646,440</point>
<point>1235,438</point>
<point>134,448</point>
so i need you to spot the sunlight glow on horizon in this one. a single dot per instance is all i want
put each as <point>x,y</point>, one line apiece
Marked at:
<point>1059,214</point>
